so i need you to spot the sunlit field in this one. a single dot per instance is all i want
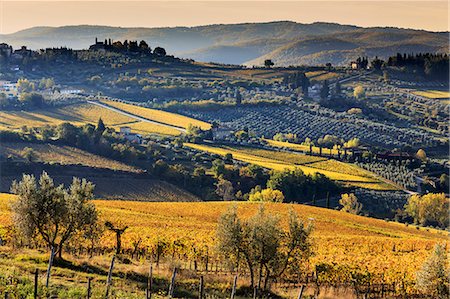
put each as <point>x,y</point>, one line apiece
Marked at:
<point>335,170</point>
<point>433,94</point>
<point>387,249</point>
<point>79,114</point>
<point>158,115</point>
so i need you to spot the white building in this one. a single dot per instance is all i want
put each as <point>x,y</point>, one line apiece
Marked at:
<point>125,132</point>
<point>221,133</point>
<point>8,88</point>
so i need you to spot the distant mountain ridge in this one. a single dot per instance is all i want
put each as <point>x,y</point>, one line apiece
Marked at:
<point>285,42</point>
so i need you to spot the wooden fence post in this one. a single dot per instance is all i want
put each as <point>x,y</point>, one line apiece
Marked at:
<point>36,273</point>
<point>89,288</point>
<point>108,280</point>
<point>149,282</point>
<point>200,288</point>
<point>50,263</point>
<point>300,294</point>
<point>233,291</point>
<point>172,283</point>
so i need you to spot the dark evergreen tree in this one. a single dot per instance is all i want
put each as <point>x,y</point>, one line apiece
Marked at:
<point>325,91</point>
<point>100,126</point>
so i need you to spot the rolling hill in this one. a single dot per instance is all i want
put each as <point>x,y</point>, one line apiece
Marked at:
<point>250,43</point>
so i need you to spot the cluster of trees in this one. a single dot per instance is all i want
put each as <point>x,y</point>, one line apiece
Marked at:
<point>26,100</point>
<point>296,186</point>
<point>359,92</point>
<point>25,85</point>
<point>28,96</point>
<point>433,275</point>
<point>262,247</point>
<point>254,183</point>
<point>433,66</point>
<point>297,80</point>
<point>286,137</point>
<point>51,213</point>
<point>429,209</point>
<point>128,46</point>
<point>328,141</point>
<point>350,204</point>
<point>266,195</point>
<point>96,139</point>
<point>430,65</point>
<point>268,63</point>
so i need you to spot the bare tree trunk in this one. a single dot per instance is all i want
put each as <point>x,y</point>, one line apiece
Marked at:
<point>252,275</point>
<point>50,263</point>
<point>266,279</point>
<point>258,288</point>
<point>108,280</point>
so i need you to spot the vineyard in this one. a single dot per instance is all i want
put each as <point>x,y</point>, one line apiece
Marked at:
<point>78,114</point>
<point>183,234</point>
<point>64,155</point>
<point>158,115</point>
<point>301,147</point>
<point>433,94</point>
<point>398,172</point>
<point>314,122</point>
<point>348,174</point>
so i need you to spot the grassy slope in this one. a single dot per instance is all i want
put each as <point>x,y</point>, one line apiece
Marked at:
<point>65,155</point>
<point>335,170</point>
<point>387,248</point>
<point>77,114</point>
<point>122,182</point>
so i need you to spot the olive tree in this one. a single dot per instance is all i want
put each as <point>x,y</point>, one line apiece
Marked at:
<point>52,212</point>
<point>350,204</point>
<point>433,277</point>
<point>261,245</point>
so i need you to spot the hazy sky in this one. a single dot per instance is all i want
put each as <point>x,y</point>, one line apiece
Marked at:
<point>18,15</point>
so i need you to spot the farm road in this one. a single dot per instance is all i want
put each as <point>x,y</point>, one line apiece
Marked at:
<point>137,117</point>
